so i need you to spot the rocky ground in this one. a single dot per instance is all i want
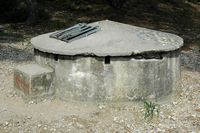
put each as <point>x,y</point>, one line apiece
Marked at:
<point>179,113</point>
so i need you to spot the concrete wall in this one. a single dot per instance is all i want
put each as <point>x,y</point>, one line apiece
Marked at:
<point>125,78</point>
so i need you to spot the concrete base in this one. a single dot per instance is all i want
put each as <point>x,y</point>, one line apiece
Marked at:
<point>119,79</point>
<point>33,81</point>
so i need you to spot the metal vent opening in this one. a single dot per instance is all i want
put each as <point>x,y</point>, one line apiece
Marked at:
<point>107,60</point>
<point>75,32</point>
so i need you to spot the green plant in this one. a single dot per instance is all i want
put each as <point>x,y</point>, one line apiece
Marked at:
<point>151,108</point>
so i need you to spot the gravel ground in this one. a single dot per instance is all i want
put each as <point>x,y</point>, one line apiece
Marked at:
<point>178,113</point>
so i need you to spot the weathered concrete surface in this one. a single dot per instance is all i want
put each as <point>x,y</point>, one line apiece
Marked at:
<point>89,79</point>
<point>114,39</point>
<point>45,59</point>
<point>141,63</point>
<point>33,81</point>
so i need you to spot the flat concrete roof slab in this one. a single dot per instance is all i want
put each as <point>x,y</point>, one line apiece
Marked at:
<point>114,39</point>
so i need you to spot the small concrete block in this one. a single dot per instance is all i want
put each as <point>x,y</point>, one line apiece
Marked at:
<point>33,79</point>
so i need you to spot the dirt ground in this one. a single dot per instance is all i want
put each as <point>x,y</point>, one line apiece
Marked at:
<point>179,113</point>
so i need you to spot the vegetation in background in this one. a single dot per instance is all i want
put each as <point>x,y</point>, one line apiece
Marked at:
<point>181,17</point>
<point>12,11</point>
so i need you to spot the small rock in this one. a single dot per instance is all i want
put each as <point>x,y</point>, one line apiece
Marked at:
<point>3,110</point>
<point>121,121</point>
<point>193,115</point>
<point>101,106</point>
<point>39,125</point>
<point>173,118</point>
<point>10,95</point>
<point>174,103</point>
<point>115,119</point>
<point>31,102</point>
<point>159,130</point>
<point>79,125</point>
<point>197,110</point>
<point>53,129</point>
<point>7,123</point>
<point>29,117</point>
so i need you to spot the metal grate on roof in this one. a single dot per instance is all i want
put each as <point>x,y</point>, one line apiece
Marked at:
<point>75,32</point>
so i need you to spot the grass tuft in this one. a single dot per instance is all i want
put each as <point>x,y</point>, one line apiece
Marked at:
<point>151,109</point>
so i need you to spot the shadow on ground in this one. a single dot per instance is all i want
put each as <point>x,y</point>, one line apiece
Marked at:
<point>9,36</point>
<point>15,53</point>
<point>12,46</point>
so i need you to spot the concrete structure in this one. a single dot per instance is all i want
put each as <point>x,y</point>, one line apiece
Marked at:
<point>119,63</point>
<point>33,80</point>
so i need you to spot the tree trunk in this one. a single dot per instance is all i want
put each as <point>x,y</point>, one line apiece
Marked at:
<point>116,3</point>
<point>33,12</point>
<point>1,28</point>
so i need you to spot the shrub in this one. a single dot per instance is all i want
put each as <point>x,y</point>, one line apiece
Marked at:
<point>12,11</point>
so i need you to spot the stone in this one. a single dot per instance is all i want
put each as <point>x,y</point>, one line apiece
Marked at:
<point>33,80</point>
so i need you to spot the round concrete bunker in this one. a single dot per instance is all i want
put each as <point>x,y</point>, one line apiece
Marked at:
<point>119,62</point>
